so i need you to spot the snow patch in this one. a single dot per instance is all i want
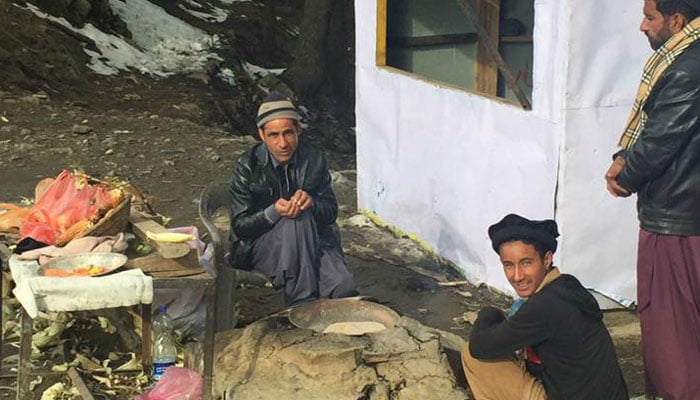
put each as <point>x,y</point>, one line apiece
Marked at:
<point>227,75</point>
<point>257,72</point>
<point>161,44</point>
<point>206,12</point>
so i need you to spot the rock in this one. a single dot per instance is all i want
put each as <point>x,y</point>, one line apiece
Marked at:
<point>273,82</point>
<point>79,104</point>
<point>30,100</point>
<point>26,147</point>
<point>63,151</point>
<point>81,129</point>
<point>110,142</point>
<point>190,110</point>
<point>81,7</point>
<point>8,129</point>
<point>359,221</point>
<point>200,75</point>
<point>345,188</point>
<point>25,131</point>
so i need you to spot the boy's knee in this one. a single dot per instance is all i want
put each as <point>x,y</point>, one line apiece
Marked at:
<point>468,361</point>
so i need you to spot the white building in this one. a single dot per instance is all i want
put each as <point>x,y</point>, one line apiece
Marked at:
<point>438,159</point>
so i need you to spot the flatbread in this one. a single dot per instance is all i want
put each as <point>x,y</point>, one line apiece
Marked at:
<point>354,328</point>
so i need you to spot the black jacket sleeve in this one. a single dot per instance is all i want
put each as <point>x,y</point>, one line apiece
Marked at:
<point>494,336</point>
<point>672,119</point>
<point>247,221</point>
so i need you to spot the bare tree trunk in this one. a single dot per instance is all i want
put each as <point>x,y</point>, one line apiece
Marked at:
<point>340,54</point>
<point>307,71</point>
<point>269,27</point>
<point>322,69</point>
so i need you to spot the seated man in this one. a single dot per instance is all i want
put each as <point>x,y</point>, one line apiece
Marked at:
<point>568,353</point>
<point>284,210</point>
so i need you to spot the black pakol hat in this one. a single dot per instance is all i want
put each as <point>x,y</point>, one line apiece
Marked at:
<point>514,227</point>
<point>694,5</point>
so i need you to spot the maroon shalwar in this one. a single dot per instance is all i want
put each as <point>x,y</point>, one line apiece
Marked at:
<point>668,295</point>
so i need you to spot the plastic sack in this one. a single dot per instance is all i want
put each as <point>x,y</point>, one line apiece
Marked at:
<point>176,383</point>
<point>68,200</point>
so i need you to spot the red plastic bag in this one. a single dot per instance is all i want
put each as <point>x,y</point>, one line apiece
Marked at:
<point>176,383</point>
<point>68,200</point>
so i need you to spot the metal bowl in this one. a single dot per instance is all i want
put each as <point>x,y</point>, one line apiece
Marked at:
<point>110,261</point>
<point>320,314</point>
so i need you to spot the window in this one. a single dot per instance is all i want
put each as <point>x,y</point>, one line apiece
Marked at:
<point>480,45</point>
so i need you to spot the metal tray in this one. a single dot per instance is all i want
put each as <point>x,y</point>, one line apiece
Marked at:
<point>319,314</point>
<point>111,261</point>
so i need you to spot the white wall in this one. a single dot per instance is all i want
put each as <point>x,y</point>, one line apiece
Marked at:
<point>607,53</point>
<point>445,164</point>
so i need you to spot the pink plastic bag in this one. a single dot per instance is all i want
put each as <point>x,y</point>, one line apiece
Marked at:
<point>176,384</point>
<point>67,200</point>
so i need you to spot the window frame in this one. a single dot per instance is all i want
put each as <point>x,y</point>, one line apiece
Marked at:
<point>489,61</point>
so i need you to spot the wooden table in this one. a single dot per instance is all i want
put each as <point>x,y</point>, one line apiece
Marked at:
<point>203,280</point>
<point>173,267</point>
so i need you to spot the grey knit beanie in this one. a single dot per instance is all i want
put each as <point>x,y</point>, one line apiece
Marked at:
<point>276,106</point>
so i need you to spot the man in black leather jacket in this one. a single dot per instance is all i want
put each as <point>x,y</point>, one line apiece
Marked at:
<point>284,210</point>
<point>660,161</point>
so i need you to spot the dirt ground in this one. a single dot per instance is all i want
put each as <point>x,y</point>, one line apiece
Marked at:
<point>159,134</point>
<point>147,132</point>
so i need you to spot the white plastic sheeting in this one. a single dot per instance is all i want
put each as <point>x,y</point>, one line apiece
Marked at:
<point>606,55</point>
<point>445,164</point>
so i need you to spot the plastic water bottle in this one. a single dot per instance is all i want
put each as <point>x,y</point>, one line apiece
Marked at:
<point>164,350</point>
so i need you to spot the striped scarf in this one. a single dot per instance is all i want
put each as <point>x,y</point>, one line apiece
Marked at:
<point>662,58</point>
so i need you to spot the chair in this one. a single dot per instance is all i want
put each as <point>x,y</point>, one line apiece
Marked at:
<point>215,214</point>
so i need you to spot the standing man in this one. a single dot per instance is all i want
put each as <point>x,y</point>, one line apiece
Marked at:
<point>568,353</point>
<point>283,211</point>
<point>660,161</point>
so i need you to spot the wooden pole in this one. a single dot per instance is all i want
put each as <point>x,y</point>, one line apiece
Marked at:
<point>79,384</point>
<point>486,67</point>
<point>25,362</point>
<point>493,52</point>
<point>381,32</point>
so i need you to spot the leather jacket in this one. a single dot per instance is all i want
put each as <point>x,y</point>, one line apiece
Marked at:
<point>663,165</point>
<point>256,185</point>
